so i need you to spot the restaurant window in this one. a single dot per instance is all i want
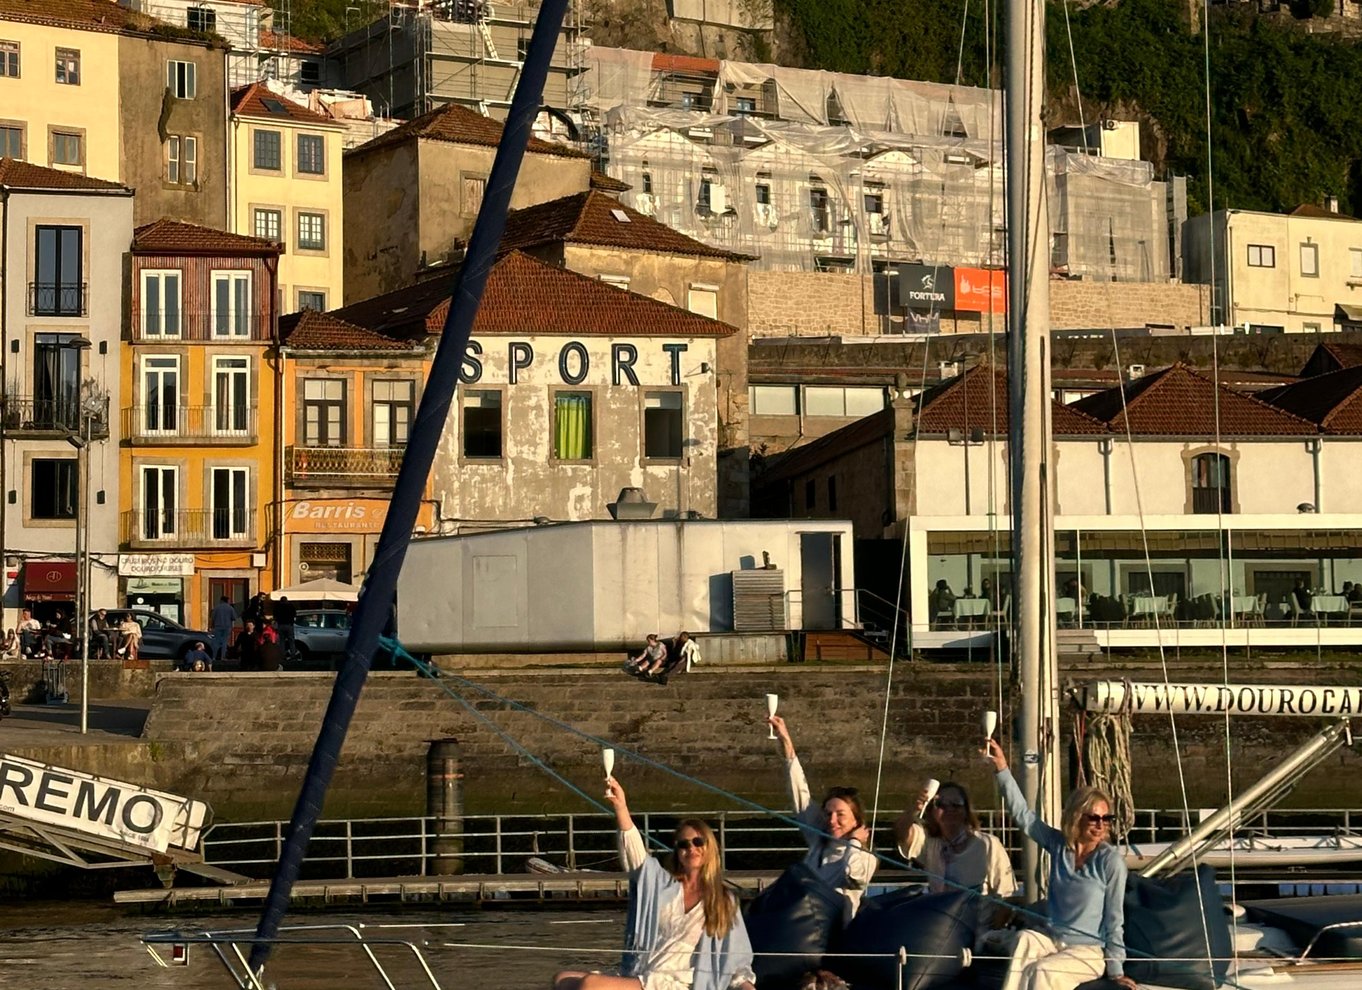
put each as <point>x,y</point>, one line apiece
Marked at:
<point>394,406</point>
<point>1211,484</point>
<point>481,424</point>
<point>663,424</point>
<point>324,412</point>
<point>53,493</point>
<point>325,560</point>
<point>572,427</point>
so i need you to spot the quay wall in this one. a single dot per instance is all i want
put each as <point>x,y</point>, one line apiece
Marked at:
<point>241,741</point>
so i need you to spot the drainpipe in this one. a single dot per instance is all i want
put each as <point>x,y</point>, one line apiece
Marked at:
<point>1315,446</point>
<point>273,265</point>
<point>1105,446</point>
<point>6,271</point>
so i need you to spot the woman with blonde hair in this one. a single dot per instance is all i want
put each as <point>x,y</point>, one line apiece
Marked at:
<point>684,930</point>
<point>1086,898</point>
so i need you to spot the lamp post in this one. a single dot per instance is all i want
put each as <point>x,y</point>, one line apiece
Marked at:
<point>80,625</point>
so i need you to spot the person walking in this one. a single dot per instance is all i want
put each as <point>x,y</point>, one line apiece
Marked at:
<point>285,616</point>
<point>220,625</point>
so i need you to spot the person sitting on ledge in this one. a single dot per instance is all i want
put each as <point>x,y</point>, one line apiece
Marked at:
<point>653,655</point>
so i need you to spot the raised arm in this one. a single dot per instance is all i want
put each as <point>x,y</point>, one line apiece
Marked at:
<point>800,799</point>
<point>1015,802</point>
<point>908,831</point>
<point>633,851</point>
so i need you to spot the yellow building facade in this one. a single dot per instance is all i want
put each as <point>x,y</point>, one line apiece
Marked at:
<point>286,168</point>
<point>198,478</point>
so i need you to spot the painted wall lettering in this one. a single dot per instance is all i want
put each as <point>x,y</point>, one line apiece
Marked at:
<point>622,358</point>
<point>583,362</point>
<point>520,355</point>
<point>675,350</point>
<point>470,373</point>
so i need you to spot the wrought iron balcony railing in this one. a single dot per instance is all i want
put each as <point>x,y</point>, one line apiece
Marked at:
<point>190,528</point>
<point>61,416</point>
<point>57,298</point>
<point>161,424</point>
<point>344,466</point>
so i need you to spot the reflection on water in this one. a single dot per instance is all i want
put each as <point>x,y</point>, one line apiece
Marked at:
<point>80,946</point>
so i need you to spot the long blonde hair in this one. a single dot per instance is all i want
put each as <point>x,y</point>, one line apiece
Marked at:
<point>720,907</point>
<point>1080,803</point>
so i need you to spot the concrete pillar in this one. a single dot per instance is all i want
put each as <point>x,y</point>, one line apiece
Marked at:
<point>444,804</point>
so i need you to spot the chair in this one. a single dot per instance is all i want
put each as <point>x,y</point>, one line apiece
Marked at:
<point>1065,608</point>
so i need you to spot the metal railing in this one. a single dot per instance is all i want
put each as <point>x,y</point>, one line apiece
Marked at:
<point>190,528</point>
<point>212,326</point>
<point>60,415</point>
<point>344,465</point>
<point>199,424</point>
<point>57,298</point>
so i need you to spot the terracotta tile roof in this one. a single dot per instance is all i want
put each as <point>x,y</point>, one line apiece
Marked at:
<point>313,331</point>
<point>608,183</point>
<point>526,296</point>
<point>275,41</point>
<point>96,15</point>
<point>977,400</point>
<point>256,100</point>
<point>1332,401</point>
<point>1331,356</point>
<point>1177,401</point>
<point>663,62</point>
<point>458,125</point>
<point>593,218</point>
<point>15,174</point>
<point>1314,210</point>
<point>166,236</point>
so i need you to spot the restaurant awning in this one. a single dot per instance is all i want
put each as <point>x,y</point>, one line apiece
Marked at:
<point>50,580</point>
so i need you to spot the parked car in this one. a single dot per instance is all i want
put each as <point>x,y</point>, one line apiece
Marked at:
<point>321,635</point>
<point>162,638</point>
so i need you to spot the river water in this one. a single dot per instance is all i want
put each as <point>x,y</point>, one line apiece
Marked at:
<point>89,946</point>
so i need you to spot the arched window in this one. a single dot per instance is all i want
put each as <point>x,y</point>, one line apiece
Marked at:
<point>1211,484</point>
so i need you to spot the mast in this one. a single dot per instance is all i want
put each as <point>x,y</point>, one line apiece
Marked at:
<point>1028,253</point>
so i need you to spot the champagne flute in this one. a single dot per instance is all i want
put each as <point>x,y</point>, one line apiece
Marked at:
<point>929,790</point>
<point>990,726</point>
<point>608,761</point>
<point>771,701</point>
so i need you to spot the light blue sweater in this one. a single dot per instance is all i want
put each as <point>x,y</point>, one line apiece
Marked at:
<point>1086,905</point>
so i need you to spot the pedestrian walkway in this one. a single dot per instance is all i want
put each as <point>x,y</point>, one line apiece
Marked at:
<point>111,722</point>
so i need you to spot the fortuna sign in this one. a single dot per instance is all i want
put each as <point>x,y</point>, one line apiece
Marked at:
<point>1222,699</point>
<point>108,809</point>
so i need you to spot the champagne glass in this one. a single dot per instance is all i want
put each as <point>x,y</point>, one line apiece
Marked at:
<point>608,761</point>
<point>772,700</point>
<point>990,725</point>
<point>929,790</point>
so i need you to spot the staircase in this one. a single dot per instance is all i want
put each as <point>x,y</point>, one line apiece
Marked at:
<point>842,646</point>
<point>1080,643</point>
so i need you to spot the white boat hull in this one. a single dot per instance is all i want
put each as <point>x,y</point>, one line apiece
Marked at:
<point>1308,851</point>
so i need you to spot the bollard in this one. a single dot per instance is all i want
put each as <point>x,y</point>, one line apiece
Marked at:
<point>444,804</point>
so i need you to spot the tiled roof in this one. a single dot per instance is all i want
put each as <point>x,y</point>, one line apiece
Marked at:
<point>525,296</point>
<point>256,100</point>
<point>167,236</point>
<point>1177,401</point>
<point>95,15</point>
<point>594,218</point>
<point>1332,401</point>
<point>313,331</point>
<point>608,183</point>
<point>15,174</point>
<point>288,43</point>
<point>977,400</point>
<point>458,125</point>
<point>1331,356</point>
<point>1319,212</point>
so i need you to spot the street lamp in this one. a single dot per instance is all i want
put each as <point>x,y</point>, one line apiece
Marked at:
<point>80,625</point>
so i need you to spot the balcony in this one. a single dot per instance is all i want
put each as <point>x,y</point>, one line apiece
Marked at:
<point>197,425</point>
<point>343,467</point>
<point>57,298</point>
<point>46,417</point>
<point>189,528</point>
<point>217,328</point>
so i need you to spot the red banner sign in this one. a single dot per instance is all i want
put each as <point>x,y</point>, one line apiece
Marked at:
<point>980,290</point>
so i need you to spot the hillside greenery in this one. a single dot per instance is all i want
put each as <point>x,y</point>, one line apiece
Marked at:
<point>1286,117</point>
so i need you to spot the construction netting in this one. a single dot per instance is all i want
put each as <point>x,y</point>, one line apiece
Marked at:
<point>808,169</point>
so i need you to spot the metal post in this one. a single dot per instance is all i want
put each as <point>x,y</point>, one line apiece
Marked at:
<point>81,624</point>
<point>444,805</point>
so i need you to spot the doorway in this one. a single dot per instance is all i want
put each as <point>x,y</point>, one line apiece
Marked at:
<point>820,578</point>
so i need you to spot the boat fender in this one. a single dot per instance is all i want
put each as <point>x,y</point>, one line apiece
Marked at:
<point>797,915</point>
<point>934,930</point>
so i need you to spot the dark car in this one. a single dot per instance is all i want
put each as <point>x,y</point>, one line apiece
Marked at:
<point>162,638</point>
<point>321,635</point>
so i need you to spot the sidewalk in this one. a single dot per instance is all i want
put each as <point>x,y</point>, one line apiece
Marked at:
<point>59,725</point>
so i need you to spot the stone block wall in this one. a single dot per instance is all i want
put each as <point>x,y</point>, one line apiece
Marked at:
<point>1077,305</point>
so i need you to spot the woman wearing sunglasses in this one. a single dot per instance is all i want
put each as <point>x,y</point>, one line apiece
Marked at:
<point>684,930</point>
<point>834,830</point>
<point>1086,899</point>
<point>946,840</point>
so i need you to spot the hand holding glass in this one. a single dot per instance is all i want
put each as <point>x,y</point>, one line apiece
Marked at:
<point>771,701</point>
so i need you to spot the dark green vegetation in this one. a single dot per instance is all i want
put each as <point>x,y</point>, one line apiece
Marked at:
<point>1286,122</point>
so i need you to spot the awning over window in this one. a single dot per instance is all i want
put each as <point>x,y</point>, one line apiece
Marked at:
<point>1348,314</point>
<point>50,580</point>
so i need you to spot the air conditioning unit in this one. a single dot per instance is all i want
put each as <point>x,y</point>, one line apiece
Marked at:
<point>1134,371</point>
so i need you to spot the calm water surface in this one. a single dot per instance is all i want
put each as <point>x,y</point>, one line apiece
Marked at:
<point>82,946</point>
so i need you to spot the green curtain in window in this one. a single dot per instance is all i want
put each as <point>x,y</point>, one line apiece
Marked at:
<point>572,427</point>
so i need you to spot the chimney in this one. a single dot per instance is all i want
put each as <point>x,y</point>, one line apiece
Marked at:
<point>1331,203</point>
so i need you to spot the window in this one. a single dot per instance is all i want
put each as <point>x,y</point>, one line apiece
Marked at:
<point>68,148</point>
<point>1211,484</point>
<point>160,315</point>
<point>53,494</point>
<point>832,494</point>
<point>9,59</point>
<point>820,215</point>
<point>311,232</point>
<point>311,154</point>
<point>572,440</point>
<point>231,304</point>
<point>267,151</point>
<point>662,424</point>
<point>774,400</point>
<point>308,299</point>
<point>704,300</point>
<point>706,197</point>
<point>58,283</point>
<point>837,400</point>
<point>1310,260</point>
<point>56,381</point>
<point>203,20</point>
<point>618,281</point>
<point>648,183</point>
<point>746,105</point>
<point>160,486</point>
<point>692,101</point>
<point>810,495</point>
<point>310,72</point>
<point>11,141</point>
<point>231,396</point>
<point>68,66</point>
<point>324,412</point>
<point>481,424</point>
<point>160,394</point>
<point>394,405</point>
<point>1262,256</point>
<point>268,224</point>
<point>182,160</point>
<point>763,194</point>
<point>229,503</point>
<point>181,79</point>
<point>474,188</point>
<point>1355,262</point>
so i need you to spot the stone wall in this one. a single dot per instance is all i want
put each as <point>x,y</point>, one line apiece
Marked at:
<point>241,742</point>
<point>1077,305</point>
<point>809,304</point>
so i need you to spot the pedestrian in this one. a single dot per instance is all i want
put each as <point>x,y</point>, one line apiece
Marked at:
<point>220,626</point>
<point>130,633</point>
<point>197,659</point>
<point>256,608</point>
<point>246,653</point>
<point>285,615</point>
<point>267,653</point>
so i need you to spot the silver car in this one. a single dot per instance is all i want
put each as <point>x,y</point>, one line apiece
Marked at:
<point>321,635</point>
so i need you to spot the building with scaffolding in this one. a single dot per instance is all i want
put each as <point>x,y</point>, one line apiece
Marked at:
<point>418,57</point>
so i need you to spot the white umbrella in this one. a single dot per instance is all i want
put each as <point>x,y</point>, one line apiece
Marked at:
<point>319,590</point>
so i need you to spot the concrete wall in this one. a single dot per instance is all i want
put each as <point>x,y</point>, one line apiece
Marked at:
<point>151,115</point>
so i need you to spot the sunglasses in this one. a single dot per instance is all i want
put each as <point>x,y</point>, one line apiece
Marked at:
<point>698,842</point>
<point>950,805</point>
<point>1099,819</point>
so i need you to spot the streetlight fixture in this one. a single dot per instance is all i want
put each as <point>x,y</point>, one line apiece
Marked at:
<point>80,625</point>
